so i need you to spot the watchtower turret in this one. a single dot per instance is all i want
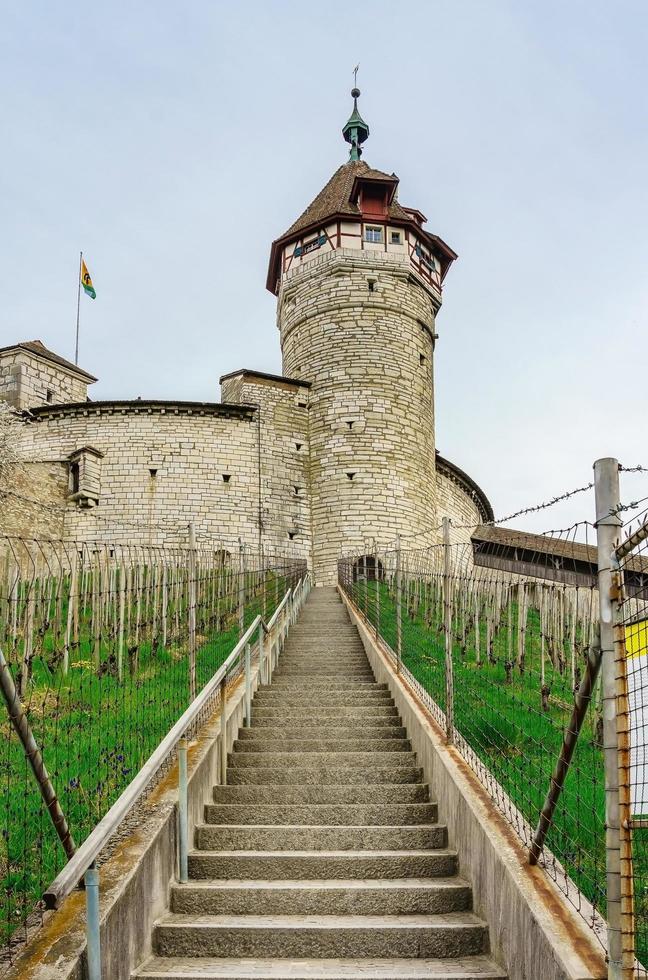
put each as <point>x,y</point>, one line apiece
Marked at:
<point>359,280</point>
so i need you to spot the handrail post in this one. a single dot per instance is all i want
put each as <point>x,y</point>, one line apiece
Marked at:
<point>93,934</point>
<point>223,733</point>
<point>183,813</point>
<point>447,625</point>
<point>608,522</point>
<point>248,685</point>
<point>263,666</point>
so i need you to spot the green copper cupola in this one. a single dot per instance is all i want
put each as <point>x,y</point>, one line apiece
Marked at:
<point>356,130</point>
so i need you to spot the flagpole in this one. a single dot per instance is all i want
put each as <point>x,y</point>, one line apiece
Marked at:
<point>76,349</point>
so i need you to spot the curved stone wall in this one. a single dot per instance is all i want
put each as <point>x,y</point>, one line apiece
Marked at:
<point>359,326</point>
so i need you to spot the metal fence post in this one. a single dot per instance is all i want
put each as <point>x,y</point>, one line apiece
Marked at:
<point>447,626</point>
<point>183,813</point>
<point>223,742</point>
<point>192,612</point>
<point>241,590</point>
<point>248,685</point>
<point>93,935</point>
<point>399,606</point>
<point>608,522</point>
<point>263,665</point>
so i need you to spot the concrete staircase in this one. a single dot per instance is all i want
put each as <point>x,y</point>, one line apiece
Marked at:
<point>323,856</point>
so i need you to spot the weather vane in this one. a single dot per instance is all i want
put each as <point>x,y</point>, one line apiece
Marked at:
<point>355,75</point>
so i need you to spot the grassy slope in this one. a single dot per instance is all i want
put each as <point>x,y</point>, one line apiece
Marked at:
<point>519,742</point>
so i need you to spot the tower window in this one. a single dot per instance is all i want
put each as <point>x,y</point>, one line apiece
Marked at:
<point>371,283</point>
<point>395,237</point>
<point>350,475</point>
<point>422,359</point>
<point>227,477</point>
<point>75,477</point>
<point>298,445</point>
<point>291,535</point>
<point>49,396</point>
<point>152,471</point>
<point>373,233</point>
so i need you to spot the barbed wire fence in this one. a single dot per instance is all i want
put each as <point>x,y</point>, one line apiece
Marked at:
<point>106,644</point>
<point>501,644</point>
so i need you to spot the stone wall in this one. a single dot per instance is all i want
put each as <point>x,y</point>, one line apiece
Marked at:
<point>26,381</point>
<point>156,468</point>
<point>282,417</point>
<point>359,326</point>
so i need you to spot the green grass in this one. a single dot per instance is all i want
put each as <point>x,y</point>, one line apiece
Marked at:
<point>95,733</point>
<point>501,717</point>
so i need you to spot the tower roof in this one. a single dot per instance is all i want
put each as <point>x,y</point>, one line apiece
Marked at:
<point>38,348</point>
<point>335,198</point>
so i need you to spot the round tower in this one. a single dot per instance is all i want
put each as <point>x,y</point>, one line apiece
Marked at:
<point>358,281</point>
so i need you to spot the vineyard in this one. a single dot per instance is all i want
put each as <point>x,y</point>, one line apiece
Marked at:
<point>107,646</point>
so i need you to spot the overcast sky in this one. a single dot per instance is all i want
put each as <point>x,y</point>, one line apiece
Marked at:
<point>172,141</point>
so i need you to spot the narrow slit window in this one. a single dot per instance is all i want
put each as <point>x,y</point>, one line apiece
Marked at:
<point>350,423</point>
<point>350,475</point>
<point>152,471</point>
<point>298,445</point>
<point>422,359</point>
<point>227,477</point>
<point>291,535</point>
<point>371,284</point>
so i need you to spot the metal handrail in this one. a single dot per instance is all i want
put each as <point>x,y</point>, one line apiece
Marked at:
<point>83,859</point>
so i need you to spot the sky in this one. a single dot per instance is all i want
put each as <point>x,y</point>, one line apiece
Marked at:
<point>172,142</point>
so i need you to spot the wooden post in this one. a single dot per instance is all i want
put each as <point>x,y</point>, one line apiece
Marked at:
<point>448,633</point>
<point>399,606</point>
<point>241,590</point>
<point>192,612</point>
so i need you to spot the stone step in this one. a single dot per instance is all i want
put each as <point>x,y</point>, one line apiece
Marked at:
<point>321,814</point>
<point>359,743</point>
<point>309,837</point>
<point>329,729</point>
<point>334,682</point>
<point>358,793</point>
<point>207,968</point>
<point>408,896</point>
<point>443,935</point>
<point>323,864</point>
<point>325,774</point>
<point>359,711</point>
<point>307,698</point>
<point>307,760</point>
<point>333,722</point>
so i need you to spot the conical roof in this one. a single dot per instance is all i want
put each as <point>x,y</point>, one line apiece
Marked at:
<point>335,197</point>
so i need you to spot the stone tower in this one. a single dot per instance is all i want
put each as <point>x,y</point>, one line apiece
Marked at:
<point>358,281</point>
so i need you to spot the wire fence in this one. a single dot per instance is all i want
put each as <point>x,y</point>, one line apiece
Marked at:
<point>107,645</point>
<point>631,673</point>
<point>497,657</point>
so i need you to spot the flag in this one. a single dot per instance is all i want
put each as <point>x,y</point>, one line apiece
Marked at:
<point>86,281</point>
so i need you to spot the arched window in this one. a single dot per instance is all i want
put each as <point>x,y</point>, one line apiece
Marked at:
<point>368,569</point>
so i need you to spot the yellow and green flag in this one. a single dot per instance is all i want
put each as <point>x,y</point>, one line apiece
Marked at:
<point>86,281</point>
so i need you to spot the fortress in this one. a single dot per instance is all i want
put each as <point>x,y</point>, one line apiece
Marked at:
<point>336,452</point>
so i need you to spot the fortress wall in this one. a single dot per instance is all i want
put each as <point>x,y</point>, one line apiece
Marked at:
<point>358,325</point>
<point>189,452</point>
<point>455,502</point>
<point>282,416</point>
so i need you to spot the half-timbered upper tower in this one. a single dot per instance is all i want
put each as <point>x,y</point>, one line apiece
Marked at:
<point>358,280</point>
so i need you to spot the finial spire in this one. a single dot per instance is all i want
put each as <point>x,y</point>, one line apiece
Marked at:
<point>356,130</point>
